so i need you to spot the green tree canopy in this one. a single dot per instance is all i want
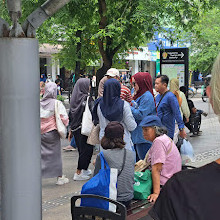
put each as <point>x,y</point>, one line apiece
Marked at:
<point>88,29</point>
<point>205,41</point>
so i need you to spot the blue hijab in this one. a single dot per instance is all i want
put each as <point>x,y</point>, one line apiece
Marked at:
<point>43,79</point>
<point>111,104</point>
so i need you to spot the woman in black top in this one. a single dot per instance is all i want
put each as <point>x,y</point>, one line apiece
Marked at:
<point>77,107</point>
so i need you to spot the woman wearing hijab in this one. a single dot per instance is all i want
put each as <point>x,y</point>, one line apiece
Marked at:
<point>111,107</point>
<point>144,106</point>
<point>77,107</point>
<point>174,88</point>
<point>51,161</point>
<point>43,78</point>
<point>183,105</point>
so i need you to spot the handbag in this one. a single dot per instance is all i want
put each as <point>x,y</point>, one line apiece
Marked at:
<point>142,165</point>
<point>104,183</point>
<point>93,138</point>
<point>86,120</point>
<point>60,110</point>
<point>143,184</point>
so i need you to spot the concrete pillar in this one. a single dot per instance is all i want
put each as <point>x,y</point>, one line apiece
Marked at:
<point>49,66</point>
<point>58,67</point>
<point>20,155</point>
<point>153,69</point>
<point>136,66</point>
<point>54,69</point>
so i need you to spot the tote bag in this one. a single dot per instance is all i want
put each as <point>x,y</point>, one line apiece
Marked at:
<point>60,110</point>
<point>86,120</point>
<point>143,184</point>
<point>93,138</point>
<point>104,183</point>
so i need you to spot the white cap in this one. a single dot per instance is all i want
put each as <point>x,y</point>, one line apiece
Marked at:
<point>112,72</point>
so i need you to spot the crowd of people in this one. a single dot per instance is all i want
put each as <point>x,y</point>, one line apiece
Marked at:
<point>132,125</point>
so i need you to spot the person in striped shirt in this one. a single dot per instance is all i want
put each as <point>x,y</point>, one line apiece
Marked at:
<point>125,94</point>
<point>114,73</point>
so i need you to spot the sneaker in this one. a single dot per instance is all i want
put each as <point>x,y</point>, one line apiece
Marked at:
<point>194,135</point>
<point>69,148</point>
<point>80,176</point>
<point>87,172</point>
<point>62,180</point>
<point>205,114</point>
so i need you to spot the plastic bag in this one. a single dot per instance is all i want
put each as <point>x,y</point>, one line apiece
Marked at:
<point>143,184</point>
<point>187,152</point>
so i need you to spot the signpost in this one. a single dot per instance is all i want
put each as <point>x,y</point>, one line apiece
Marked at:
<point>174,63</point>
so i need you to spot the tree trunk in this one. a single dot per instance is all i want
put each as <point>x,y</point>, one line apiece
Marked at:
<point>78,52</point>
<point>102,71</point>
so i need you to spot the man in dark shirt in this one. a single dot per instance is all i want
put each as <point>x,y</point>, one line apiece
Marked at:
<point>190,195</point>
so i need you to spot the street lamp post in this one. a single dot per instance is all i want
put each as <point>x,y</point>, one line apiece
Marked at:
<point>20,155</point>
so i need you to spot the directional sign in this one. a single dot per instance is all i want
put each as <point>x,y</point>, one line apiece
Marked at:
<point>174,63</point>
<point>174,56</point>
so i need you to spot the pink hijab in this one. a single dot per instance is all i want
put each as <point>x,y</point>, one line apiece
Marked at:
<point>50,96</point>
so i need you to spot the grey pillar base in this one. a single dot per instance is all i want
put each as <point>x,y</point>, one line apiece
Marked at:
<point>20,129</point>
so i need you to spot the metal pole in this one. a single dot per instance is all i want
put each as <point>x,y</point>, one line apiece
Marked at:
<point>20,129</point>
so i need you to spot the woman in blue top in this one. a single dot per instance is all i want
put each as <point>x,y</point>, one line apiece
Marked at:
<point>143,105</point>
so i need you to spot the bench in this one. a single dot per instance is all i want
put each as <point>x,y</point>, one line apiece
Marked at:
<point>138,209</point>
<point>84,212</point>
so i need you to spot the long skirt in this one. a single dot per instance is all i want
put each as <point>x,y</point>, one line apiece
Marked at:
<point>51,162</point>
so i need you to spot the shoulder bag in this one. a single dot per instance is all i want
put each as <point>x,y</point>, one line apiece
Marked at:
<point>87,120</point>
<point>60,110</point>
<point>104,183</point>
<point>162,98</point>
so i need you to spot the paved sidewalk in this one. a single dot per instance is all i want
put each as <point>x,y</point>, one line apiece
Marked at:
<point>56,199</point>
<point>206,146</point>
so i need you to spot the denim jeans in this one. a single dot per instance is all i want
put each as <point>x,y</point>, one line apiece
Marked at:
<point>73,142</point>
<point>142,149</point>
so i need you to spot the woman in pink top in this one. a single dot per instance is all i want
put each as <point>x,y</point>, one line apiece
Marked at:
<point>51,162</point>
<point>163,155</point>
